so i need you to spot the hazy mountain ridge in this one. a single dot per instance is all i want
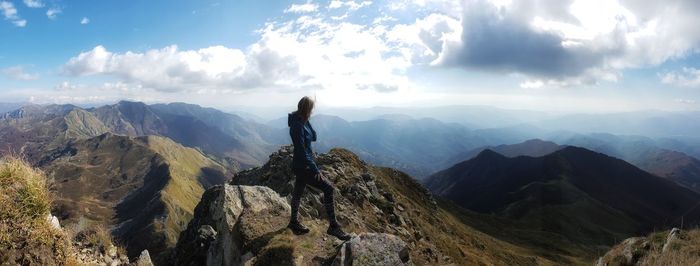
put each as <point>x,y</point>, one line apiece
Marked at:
<point>568,189</point>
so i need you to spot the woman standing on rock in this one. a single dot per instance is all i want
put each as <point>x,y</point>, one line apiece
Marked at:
<point>307,172</point>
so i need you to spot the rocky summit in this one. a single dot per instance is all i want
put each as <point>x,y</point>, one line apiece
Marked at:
<point>393,220</point>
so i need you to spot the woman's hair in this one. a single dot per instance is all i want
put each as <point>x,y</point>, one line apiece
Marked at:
<point>304,108</point>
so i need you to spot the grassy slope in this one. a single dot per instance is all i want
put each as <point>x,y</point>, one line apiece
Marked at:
<point>151,184</point>
<point>26,236</point>
<point>453,237</point>
<point>82,124</point>
<point>183,191</point>
<point>685,251</point>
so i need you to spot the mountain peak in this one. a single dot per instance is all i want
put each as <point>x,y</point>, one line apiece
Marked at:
<point>489,154</point>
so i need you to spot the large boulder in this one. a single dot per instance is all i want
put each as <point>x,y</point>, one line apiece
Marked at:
<point>231,223</point>
<point>373,249</point>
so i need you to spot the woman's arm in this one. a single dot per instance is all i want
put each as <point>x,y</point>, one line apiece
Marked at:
<point>298,141</point>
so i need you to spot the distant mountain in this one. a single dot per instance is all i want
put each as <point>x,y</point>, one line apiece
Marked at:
<point>416,146</point>
<point>472,116</point>
<point>646,123</point>
<point>575,192</point>
<point>6,107</point>
<point>532,148</point>
<point>145,187</point>
<point>117,164</point>
<point>213,131</point>
<point>642,152</point>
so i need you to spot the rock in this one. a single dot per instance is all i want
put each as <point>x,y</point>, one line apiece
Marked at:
<point>673,236</point>
<point>373,249</point>
<point>600,262</point>
<point>53,221</point>
<point>144,259</point>
<point>206,234</point>
<point>629,252</point>
<point>230,221</point>
<point>400,207</point>
<point>112,251</point>
<point>397,220</point>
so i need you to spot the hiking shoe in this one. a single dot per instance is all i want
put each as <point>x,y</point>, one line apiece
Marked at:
<point>298,228</point>
<point>336,231</point>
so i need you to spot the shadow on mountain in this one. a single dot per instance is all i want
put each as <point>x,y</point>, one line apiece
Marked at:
<point>138,214</point>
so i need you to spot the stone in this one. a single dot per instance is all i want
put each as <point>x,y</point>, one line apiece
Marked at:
<point>206,234</point>
<point>373,249</point>
<point>229,222</point>
<point>673,236</point>
<point>112,251</point>
<point>144,259</point>
<point>53,221</point>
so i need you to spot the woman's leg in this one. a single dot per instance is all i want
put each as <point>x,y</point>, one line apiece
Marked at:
<point>328,203</point>
<point>299,186</point>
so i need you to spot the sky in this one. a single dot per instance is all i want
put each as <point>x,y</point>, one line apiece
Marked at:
<point>558,55</point>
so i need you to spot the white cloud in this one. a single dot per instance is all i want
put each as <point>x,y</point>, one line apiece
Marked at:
<point>20,23</point>
<point>10,13</point>
<point>166,69</point>
<point>583,41</point>
<point>84,21</point>
<point>532,84</point>
<point>308,7</point>
<point>18,72</point>
<point>8,10</point>
<point>352,5</point>
<point>329,55</point>
<point>686,101</point>
<point>33,3</point>
<point>425,39</point>
<point>52,12</point>
<point>687,77</point>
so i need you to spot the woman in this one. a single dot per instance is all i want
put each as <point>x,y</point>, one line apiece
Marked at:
<point>307,172</point>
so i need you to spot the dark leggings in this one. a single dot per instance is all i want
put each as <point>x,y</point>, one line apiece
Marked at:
<point>306,177</point>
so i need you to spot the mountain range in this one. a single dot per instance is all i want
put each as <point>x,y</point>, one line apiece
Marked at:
<point>574,192</point>
<point>518,193</point>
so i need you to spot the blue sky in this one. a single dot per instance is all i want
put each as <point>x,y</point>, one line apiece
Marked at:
<point>530,54</point>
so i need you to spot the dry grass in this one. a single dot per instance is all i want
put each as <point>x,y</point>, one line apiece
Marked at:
<point>26,235</point>
<point>684,252</point>
<point>91,234</point>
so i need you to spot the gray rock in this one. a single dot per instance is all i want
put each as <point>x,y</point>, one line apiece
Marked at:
<point>673,236</point>
<point>144,259</point>
<point>373,249</point>
<point>206,234</point>
<point>631,250</point>
<point>53,221</point>
<point>233,217</point>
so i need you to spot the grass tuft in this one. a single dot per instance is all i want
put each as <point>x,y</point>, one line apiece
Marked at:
<point>26,235</point>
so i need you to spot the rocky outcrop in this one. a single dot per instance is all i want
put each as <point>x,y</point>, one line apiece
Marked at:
<point>394,220</point>
<point>357,186</point>
<point>373,249</point>
<point>629,252</point>
<point>230,222</point>
<point>144,259</point>
<point>675,247</point>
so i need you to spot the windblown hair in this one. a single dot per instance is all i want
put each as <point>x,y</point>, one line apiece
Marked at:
<point>304,108</point>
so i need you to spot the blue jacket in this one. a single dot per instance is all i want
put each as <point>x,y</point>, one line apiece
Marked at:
<point>302,135</point>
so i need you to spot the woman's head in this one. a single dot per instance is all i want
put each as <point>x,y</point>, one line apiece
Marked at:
<point>304,107</point>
